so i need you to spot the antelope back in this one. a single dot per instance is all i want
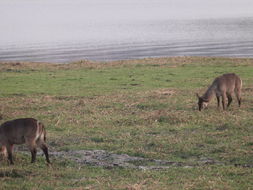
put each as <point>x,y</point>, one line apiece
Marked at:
<point>228,83</point>
<point>18,130</point>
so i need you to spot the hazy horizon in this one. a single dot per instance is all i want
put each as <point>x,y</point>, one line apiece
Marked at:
<point>28,21</point>
<point>78,25</point>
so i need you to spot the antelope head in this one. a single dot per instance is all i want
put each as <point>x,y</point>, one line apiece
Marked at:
<point>202,103</point>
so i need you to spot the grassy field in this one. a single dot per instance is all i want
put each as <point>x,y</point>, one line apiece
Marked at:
<point>145,108</point>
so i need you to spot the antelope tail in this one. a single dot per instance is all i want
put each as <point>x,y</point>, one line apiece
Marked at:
<point>41,131</point>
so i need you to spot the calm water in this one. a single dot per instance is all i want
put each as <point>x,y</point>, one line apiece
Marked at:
<point>65,31</point>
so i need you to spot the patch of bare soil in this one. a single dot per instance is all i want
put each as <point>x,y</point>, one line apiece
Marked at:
<point>110,160</point>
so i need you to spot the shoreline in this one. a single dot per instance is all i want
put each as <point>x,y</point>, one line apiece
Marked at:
<point>115,52</point>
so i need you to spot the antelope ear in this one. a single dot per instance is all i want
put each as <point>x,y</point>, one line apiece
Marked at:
<point>197,95</point>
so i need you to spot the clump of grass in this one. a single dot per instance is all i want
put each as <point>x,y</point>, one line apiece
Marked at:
<point>97,139</point>
<point>14,173</point>
<point>155,106</point>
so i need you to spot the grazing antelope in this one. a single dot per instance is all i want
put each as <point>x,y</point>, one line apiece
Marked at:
<point>20,131</point>
<point>223,86</point>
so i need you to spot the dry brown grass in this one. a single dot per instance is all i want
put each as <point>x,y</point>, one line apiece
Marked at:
<point>163,61</point>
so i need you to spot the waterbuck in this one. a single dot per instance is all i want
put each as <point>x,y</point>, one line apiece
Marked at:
<point>20,131</point>
<point>223,86</point>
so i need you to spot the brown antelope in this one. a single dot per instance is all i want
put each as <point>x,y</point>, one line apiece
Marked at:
<point>20,131</point>
<point>223,86</point>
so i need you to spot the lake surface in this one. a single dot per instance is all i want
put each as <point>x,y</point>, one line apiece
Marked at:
<point>64,31</point>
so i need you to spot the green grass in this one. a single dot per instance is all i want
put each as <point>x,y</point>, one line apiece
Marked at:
<point>144,108</point>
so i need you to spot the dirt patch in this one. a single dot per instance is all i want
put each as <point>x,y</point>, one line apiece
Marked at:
<point>110,160</point>
<point>102,158</point>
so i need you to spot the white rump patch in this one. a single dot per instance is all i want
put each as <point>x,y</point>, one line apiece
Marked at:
<point>38,135</point>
